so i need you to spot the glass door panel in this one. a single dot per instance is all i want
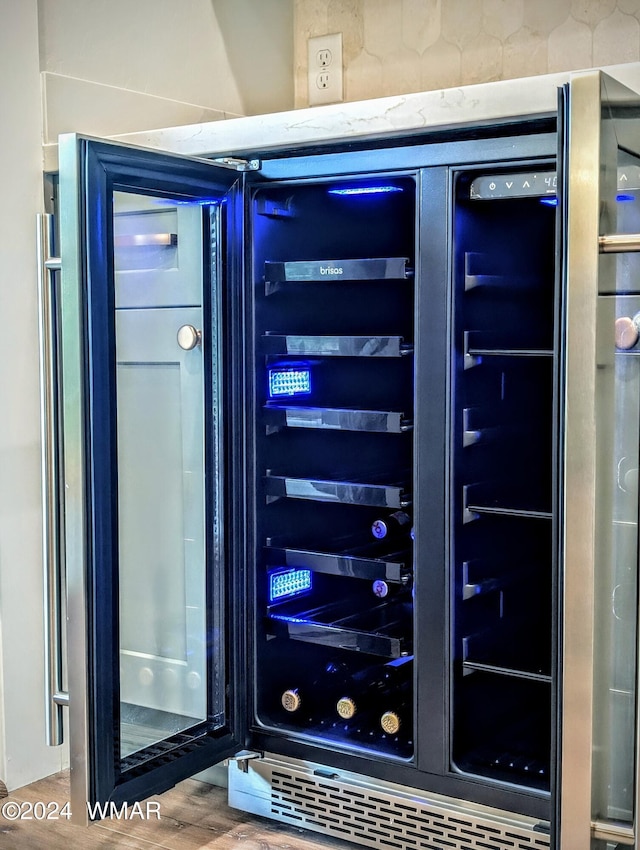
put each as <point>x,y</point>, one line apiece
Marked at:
<point>161,512</point>
<point>616,622</point>
<point>615,768</point>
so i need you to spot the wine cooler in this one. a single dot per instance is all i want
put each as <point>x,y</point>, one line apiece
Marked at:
<point>350,458</point>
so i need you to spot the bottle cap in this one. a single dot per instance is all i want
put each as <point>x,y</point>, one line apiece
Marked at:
<point>346,708</point>
<point>390,722</point>
<point>380,588</point>
<point>291,700</point>
<point>379,529</point>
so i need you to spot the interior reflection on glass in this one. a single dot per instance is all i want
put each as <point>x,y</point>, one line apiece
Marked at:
<point>160,434</point>
<point>623,592</point>
<point>627,220</point>
<point>616,592</point>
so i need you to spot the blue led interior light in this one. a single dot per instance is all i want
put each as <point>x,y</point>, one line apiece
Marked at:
<point>283,584</point>
<point>365,190</point>
<point>621,198</point>
<point>190,202</point>
<point>289,382</point>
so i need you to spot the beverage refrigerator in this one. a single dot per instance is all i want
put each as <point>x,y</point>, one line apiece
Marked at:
<point>342,471</point>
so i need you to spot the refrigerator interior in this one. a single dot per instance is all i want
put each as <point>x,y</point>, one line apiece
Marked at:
<point>333,268</point>
<point>334,308</point>
<point>502,467</point>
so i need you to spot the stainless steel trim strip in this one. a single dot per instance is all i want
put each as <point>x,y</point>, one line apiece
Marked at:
<point>71,240</point>
<point>581,181</point>
<point>610,831</point>
<point>619,243</point>
<point>50,476</point>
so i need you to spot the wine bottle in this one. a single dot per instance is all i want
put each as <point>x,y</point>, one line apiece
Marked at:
<point>370,686</point>
<point>391,526</point>
<point>319,694</point>
<point>396,715</point>
<point>395,718</point>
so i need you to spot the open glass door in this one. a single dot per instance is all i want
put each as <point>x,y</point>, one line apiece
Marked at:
<point>598,801</point>
<point>147,410</point>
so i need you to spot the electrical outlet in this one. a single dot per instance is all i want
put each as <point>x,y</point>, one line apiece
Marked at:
<point>325,69</point>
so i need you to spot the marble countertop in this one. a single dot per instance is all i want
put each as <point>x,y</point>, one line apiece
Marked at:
<point>481,104</point>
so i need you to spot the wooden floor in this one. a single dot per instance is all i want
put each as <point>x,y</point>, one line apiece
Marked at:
<point>193,815</point>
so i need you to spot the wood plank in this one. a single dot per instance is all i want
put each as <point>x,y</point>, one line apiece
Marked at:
<point>193,815</point>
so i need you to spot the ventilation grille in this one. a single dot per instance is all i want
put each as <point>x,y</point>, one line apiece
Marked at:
<point>383,821</point>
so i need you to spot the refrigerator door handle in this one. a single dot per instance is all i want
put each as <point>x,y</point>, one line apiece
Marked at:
<point>614,832</point>
<point>619,243</point>
<point>189,337</point>
<point>55,696</point>
<point>627,332</point>
<point>146,240</point>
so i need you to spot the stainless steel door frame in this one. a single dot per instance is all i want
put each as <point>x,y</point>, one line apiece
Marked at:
<point>592,139</point>
<point>75,536</point>
<point>90,171</point>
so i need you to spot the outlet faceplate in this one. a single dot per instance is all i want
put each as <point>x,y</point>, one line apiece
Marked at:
<point>325,69</point>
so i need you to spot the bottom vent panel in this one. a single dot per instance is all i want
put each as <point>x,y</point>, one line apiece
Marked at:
<point>385,821</point>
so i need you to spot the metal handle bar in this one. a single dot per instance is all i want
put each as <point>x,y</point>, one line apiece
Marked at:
<point>55,696</point>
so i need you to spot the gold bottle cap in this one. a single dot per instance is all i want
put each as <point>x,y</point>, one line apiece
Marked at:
<point>346,708</point>
<point>291,700</point>
<point>390,723</point>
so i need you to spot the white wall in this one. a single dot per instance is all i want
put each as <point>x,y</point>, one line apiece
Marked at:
<point>119,66</point>
<point>258,36</point>
<point>23,754</point>
<point>112,64</point>
<point>169,48</point>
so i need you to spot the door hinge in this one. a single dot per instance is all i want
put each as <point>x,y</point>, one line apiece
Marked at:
<point>238,164</point>
<point>243,757</point>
